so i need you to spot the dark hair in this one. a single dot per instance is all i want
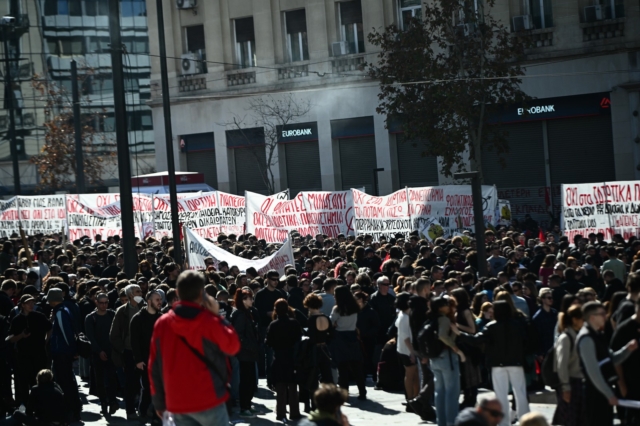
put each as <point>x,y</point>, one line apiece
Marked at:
<point>567,319</point>
<point>633,282</point>
<point>362,296</point>
<point>239,296</point>
<point>281,309</point>
<point>462,298</point>
<point>329,398</point>
<point>402,301</point>
<point>501,311</point>
<point>190,285</point>
<point>312,301</point>
<point>345,302</point>
<point>476,304</point>
<point>589,308</point>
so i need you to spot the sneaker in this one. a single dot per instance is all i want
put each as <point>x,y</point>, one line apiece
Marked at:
<point>257,412</point>
<point>132,416</point>
<point>247,414</point>
<point>113,408</point>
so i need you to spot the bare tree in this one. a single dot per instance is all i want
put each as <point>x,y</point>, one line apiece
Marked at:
<point>56,163</point>
<point>271,114</point>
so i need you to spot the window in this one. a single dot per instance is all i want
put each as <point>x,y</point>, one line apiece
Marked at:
<point>99,44</point>
<point>296,23</point>
<point>97,7</point>
<point>245,43</point>
<point>66,46</point>
<point>195,38</point>
<point>541,13</point>
<point>614,9</point>
<point>133,8</point>
<point>351,25</point>
<point>409,9</point>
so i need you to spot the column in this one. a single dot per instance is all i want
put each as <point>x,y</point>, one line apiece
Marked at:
<point>222,159</point>
<point>383,155</point>
<point>329,169</point>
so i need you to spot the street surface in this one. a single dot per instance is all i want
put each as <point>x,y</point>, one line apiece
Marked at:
<point>380,408</point>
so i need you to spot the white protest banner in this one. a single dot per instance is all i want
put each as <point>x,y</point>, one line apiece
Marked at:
<point>208,214</point>
<point>198,249</point>
<point>310,213</point>
<point>42,213</point>
<point>451,206</point>
<point>9,217</point>
<point>93,214</point>
<point>606,207</point>
<point>382,216</point>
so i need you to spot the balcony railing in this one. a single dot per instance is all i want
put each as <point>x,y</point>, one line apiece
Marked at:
<point>348,63</point>
<point>192,83</point>
<point>293,71</point>
<point>240,78</point>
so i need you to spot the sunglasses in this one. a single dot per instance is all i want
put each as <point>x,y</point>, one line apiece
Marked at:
<point>494,413</point>
<point>547,297</point>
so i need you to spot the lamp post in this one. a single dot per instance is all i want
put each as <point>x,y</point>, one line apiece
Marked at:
<point>478,216</point>
<point>7,24</point>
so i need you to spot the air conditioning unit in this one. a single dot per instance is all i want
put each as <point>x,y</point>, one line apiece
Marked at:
<point>522,23</point>
<point>186,4</point>
<point>191,64</point>
<point>594,13</point>
<point>339,48</point>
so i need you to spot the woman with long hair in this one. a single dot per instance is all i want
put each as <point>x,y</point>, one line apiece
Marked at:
<point>345,346</point>
<point>485,317</point>
<point>445,366</point>
<point>245,325</point>
<point>504,341</point>
<point>282,335</point>
<point>479,299</point>
<point>319,331</point>
<point>470,377</point>
<point>546,269</point>
<point>569,410</point>
<point>406,352</point>
<point>145,269</point>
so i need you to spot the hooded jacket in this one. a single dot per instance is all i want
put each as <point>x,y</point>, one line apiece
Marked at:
<point>63,338</point>
<point>180,381</point>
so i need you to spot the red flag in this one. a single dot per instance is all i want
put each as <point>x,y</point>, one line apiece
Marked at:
<point>541,235</point>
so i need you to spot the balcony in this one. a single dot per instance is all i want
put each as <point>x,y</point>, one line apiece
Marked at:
<point>293,71</point>
<point>534,39</point>
<point>235,78</point>
<point>600,30</point>
<point>192,83</point>
<point>348,63</point>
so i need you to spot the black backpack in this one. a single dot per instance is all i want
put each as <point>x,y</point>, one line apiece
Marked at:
<point>549,375</point>
<point>429,344</point>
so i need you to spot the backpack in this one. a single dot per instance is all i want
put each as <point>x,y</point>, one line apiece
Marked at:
<point>429,344</point>
<point>547,371</point>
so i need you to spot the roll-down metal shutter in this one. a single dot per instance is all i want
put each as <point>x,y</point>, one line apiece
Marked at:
<point>303,167</point>
<point>522,180</point>
<point>204,162</point>
<point>581,150</point>
<point>250,165</point>
<point>357,161</point>
<point>414,169</point>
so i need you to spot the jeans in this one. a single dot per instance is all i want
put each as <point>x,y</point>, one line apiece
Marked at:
<point>266,356</point>
<point>247,384</point>
<point>235,378</point>
<point>106,379</point>
<point>446,372</point>
<point>145,392</point>
<point>351,369</point>
<point>62,366</point>
<point>217,416</point>
<point>502,377</point>
<point>287,392</point>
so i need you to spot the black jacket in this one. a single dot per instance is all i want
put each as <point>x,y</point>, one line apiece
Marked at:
<point>86,307</point>
<point>247,332</point>
<point>46,403</point>
<point>504,342</point>
<point>141,330</point>
<point>6,305</point>
<point>386,310</point>
<point>296,297</point>
<point>368,324</point>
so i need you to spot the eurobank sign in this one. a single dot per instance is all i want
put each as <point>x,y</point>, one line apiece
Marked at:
<point>298,132</point>
<point>555,108</point>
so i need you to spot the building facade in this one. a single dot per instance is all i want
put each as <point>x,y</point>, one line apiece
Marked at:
<point>46,37</point>
<point>583,72</point>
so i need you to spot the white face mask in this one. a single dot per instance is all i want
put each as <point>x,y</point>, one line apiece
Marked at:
<point>138,299</point>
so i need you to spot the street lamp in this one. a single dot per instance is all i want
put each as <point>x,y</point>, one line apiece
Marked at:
<point>7,23</point>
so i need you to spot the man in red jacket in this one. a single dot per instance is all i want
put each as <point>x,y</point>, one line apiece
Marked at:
<point>188,366</point>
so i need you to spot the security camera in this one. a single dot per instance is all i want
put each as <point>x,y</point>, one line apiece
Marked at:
<point>7,20</point>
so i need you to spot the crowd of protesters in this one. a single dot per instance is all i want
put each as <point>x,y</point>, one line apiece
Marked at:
<point>410,314</point>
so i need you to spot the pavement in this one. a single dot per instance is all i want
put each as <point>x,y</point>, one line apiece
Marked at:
<point>380,408</point>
